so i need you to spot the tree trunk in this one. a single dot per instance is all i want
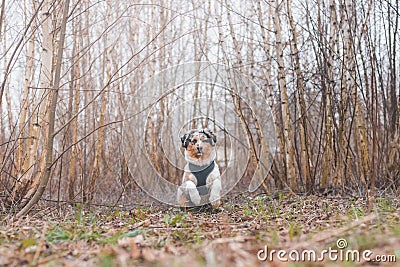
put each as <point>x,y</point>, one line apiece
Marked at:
<point>288,136</point>
<point>329,172</point>
<point>306,157</point>
<point>44,178</point>
<point>100,133</point>
<point>23,158</point>
<point>35,164</point>
<point>74,109</point>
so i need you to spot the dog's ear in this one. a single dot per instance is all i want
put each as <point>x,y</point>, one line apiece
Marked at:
<point>210,134</point>
<point>184,140</point>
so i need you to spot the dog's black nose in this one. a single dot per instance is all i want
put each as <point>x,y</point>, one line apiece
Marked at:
<point>200,148</point>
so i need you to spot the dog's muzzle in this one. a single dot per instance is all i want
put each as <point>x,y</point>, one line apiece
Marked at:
<point>199,150</point>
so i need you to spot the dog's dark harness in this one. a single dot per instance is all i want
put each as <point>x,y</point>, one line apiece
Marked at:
<point>201,175</point>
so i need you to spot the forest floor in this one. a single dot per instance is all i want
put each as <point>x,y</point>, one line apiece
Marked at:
<point>245,226</point>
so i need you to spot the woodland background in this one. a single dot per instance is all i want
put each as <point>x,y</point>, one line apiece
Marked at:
<point>329,70</point>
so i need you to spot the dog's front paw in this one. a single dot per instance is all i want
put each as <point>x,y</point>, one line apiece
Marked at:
<point>183,201</point>
<point>195,197</point>
<point>216,204</point>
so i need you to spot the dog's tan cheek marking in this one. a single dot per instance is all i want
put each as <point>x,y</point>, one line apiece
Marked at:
<point>207,149</point>
<point>192,150</point>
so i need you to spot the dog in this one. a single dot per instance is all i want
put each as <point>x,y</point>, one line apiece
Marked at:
<point>201,174</point>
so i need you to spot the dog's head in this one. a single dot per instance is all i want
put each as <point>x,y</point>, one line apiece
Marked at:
<point>199,145</point>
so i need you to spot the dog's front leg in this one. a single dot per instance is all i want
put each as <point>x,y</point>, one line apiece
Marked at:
<point>190,188</point>
<point>181,197</point>
<point>215,193</point>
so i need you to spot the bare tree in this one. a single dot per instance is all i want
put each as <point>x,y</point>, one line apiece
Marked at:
<point>306,153</point>
<point>51,118</point>
<point>286,118</point>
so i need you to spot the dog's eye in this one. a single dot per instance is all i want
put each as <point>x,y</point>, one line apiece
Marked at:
<point>194,142</point>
